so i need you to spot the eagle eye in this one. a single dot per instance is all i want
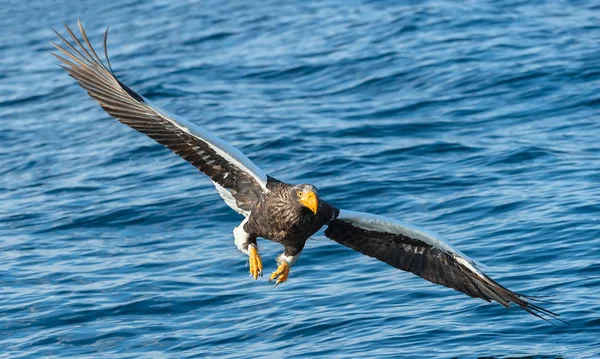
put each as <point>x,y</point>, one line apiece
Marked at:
<point>299,193</point>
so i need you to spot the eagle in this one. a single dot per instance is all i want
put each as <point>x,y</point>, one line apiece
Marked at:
<point>275,210</point>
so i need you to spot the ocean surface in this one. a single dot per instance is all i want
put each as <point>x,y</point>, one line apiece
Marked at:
<point>478,120</point>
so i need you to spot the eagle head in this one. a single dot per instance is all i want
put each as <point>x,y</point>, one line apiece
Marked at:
<point>306,195</point>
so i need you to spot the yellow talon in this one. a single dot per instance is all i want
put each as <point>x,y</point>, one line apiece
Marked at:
<point>255,262</point>
<point>281,273</point>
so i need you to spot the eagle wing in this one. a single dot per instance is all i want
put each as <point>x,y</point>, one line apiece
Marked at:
<point>239,181</point>
<point>425,254</point>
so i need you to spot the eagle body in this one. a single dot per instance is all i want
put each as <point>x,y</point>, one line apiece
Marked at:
<point>284,213</point>
<point>278,217</point>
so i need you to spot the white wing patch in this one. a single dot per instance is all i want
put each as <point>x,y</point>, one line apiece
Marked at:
<point>229,200</point>
<point>375,223</point>
<point>469,265</point>
<point>222,148</point>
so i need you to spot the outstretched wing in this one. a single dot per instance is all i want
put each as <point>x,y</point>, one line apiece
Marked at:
<point>425,254</point>
<point>239,181</point>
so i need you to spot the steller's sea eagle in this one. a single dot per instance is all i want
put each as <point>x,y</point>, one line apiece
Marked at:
<point>275,210</point>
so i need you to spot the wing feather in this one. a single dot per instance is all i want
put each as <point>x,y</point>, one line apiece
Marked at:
<point>239,181</point>
<point>425,254</point>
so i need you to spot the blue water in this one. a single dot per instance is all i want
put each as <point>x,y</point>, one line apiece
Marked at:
<point>479,121</point>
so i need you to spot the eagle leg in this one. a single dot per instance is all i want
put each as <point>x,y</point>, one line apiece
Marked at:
<point>281,274</point>
<point>254,261</point>
<point>246,243</point>
<point>286,260</point>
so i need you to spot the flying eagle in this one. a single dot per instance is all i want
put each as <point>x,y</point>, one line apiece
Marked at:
<point>275,210</point>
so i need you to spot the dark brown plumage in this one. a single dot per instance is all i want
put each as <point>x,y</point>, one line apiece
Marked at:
<point>131,109</point>
<point>428,262</point>
<point>279,217</point>
<point>275,210</point>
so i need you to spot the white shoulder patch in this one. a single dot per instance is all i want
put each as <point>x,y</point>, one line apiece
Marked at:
<point>221,147</point>
<point>372,222</point>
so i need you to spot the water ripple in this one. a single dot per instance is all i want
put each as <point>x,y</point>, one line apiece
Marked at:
<point>478,121</point>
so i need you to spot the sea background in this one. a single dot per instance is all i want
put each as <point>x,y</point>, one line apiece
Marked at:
<point>479,120</point>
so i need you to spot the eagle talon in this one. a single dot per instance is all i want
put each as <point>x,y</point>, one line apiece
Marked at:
<point>281,274</point>
<point>254,262</point>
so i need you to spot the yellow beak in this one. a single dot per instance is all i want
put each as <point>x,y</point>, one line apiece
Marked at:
<point>309,200</point>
